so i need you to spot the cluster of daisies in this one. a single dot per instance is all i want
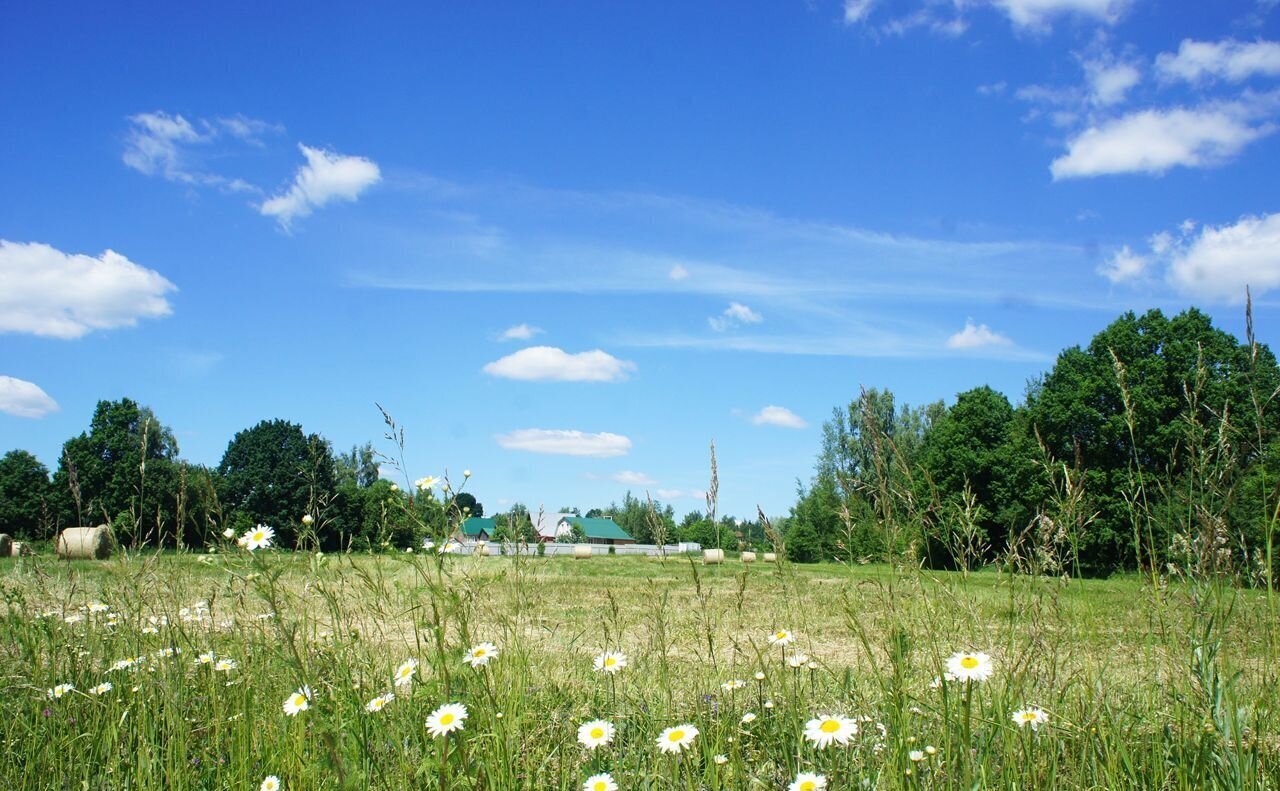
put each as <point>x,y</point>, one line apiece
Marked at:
<point>260,537</point>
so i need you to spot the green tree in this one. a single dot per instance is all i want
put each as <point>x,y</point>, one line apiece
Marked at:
<point>359,466</point>
<point>25,510</point>
<point>273,473</point>
<point>468,505</point>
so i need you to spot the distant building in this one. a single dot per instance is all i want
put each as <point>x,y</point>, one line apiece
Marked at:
<point>597,531</point>
<point>552,527</point>
<point>478,528</point>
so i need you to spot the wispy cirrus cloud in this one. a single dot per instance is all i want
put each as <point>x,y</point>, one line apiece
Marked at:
<point>566,442</point>
<point>520,332</point>
<point>174,148</point>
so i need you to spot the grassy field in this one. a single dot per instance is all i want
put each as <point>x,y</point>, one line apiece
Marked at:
<point>1142,688</point>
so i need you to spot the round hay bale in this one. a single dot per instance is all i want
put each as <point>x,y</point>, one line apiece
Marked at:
<point>483,550</point>
<point>17,549</point>
<point>711,557</point>
<point>6,545</point>
<point>86,543</point>
<point>748,557</point>
<point>581,551</point>
<point>770,557</point>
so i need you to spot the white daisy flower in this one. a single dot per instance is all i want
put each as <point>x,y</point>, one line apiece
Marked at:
<point>721,760</point>
<point>207,658</point>
<point>121,664</point>
<point>446,719</point>
<point>808,781</point>
<point>225,665</point>
<point>748,718</point>
<point>830,728</point>
<point>307,519</point>
<point>782,637</point>
<point>974,666</point>
<point>481,654</point>
<point>258,538</point>
<point>60,690</point>
<point>1032,717</point>
<point>595,734</point>
<point>380,702</point>
<point>611,661</point>
<point>798,660</point>
<point>732,684</point>
<point>270,783</point>
<point>916,756</point>
<point>73,618</point>
<point>150,630</point>
<point>229,533</point>
<point>601,782</point>
<point>405,673</point>
<point>102,688</point>
<point>675,740</point>
<point>298,701</point>
<point>422,484</point>
<point>96,607</point>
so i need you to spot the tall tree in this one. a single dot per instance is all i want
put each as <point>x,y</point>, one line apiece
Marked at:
<point>25,510</point>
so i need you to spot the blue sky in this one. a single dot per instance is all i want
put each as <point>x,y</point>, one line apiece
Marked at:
<point>568,244</point>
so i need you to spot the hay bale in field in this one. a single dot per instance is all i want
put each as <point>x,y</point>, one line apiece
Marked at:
<point>86,543</point>
<point>17,549</point>
<point>483,550</point>
<point>711,557</point>
<point>581,551</point>
<point>748,557</point>
<point>6,545</point>
<point>770,557</point>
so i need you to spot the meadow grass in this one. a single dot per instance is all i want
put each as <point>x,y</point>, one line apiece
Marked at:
<point>1172,687</point>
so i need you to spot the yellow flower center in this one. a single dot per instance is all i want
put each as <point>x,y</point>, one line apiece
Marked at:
<point>600,786</point>
<point>830,726</point>
<point>610,662</point>
<point>478,652</point>
<point>258,536</point>
<point>969,662</point>
<point>597,733</point>
<point>446,719</point>
<point>780,635</point>
<point>808,785</point>
<point>1028,715</point>
<point>676,736</point>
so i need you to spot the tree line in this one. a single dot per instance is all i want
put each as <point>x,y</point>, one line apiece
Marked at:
<point>1154,447</point>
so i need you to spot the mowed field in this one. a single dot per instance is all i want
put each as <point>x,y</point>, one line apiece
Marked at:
<point>227,671</point>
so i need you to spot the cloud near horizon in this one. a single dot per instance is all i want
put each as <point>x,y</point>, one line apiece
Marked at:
<point>778,416</point>
<point>976,336</point>
<point>562,442</point>
<point>520,332</point>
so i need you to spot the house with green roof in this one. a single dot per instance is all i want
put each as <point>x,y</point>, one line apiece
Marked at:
<point>478,528</point>
<point>598,531</point>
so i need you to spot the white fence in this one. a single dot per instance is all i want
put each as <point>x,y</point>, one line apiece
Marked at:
<point>558,548</point>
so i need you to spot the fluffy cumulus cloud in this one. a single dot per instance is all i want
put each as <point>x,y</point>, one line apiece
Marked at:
<point>1235,61</point>
<point>63,295</point>
<point>24,399</point>
<point>562,442</point>
<point>778,416</point>
<point>1219,262</point>
<point>976,336</point>
<point>550,364</point>
<point>1037,14</point>
<point>1154,141</point>
<point>1124,266</point>
<point>1109,82</point>
<point>520,332</point>
<point>327,176</point>
<point>734,315</point>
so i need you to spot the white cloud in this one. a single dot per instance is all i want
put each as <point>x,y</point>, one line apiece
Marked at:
<point>1109,82</point>
<point>857,10</point>
<point>681,494</point>
<point>160,144</point>
<point>47,292</point>
<point>1221,261</point>
<point>976,336</point>
<point>632,478</point>
<point>565,443</point>
<point>1153,141</point>
<point>327,176</point>
<point>520,332</point>
<point>778,416</point>
<point>548,363</point>
<point>735,314</point>
<point>678,272</point>
<point>24,399</point>
<point>1230,60</point>
<point>1124,266</point>
<point>1035,14</point>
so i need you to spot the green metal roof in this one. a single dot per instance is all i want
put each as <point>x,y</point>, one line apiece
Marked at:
<point>475,524</point>
<point>600,528</point>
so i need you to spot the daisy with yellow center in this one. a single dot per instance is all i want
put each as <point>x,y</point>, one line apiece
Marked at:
<point>270,783</point>
<point>732,684</point>
<point>595,734</point>
<point>205,659</point>
<point>225,665</point>
<point>611,661</point>
<point>481,654</point>
<point>1032,717</point>
<point>675,740</point>
<point>97,607</point>
<point>782,637</point>
<point>423,484</point>
<point>827,729</point>
<point>404,673</point>
<point>970,666</point>
<point>446,719</point>
<point>601,782</point>
<point>298,701</point>
<point>808,781</point>
<point>102,688</point>
<point>259,538</point>
<point>379,703</point>
<point>60,690</point>
<point>748,718</point>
